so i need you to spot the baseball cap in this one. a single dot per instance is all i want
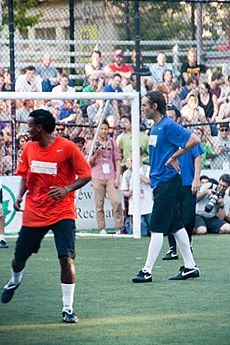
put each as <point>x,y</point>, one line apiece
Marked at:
<point>118,52</point>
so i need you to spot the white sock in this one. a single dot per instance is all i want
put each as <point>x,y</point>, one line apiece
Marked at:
<point>2,237</point>
<point>155,246</point>
<point>67,297</point>
<point>183,244</point>
<point>16,277</point>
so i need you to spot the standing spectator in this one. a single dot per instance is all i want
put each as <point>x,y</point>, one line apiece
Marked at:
<point>28,82</point>
<point>159,68</point>
<point>221,148</point>
<point>146,196</point>
<point>118,66</point>
<point>49,74</point>
<point>106,166</point>
<point>48,171</point>
<point>168,141</point>
<point>191,67</point>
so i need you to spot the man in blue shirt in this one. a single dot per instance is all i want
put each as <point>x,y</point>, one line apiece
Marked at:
<point>168,141</point>
<point>190,166</point>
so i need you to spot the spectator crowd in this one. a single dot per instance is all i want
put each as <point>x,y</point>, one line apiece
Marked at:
<point>200,97</point>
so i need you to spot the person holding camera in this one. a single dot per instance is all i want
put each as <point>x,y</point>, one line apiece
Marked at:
<point>212,208</point>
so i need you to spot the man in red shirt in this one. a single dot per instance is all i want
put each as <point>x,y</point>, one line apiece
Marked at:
<point>48,169</point>
<point>119,66</point>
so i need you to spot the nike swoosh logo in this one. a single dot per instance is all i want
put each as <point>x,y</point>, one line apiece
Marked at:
<point>184,274</point>
<point>147,277</point>
<point>60,150</point>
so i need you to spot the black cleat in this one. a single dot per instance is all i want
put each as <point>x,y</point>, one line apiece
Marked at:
<point>3,244</point>
<point>142,277</point>
<point>8,292</point>
<point>171,255</point>
<point>186,273</point>
<point>69,318</point>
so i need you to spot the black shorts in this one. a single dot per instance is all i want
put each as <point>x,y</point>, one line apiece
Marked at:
<point>166,215</point>
<point>30,238</point>
<point>213,224</point>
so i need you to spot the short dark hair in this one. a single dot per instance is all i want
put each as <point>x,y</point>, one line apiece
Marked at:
<point>117,75</point>
<point>225,178</point>
<point>44,118</point>
<point>173,108</point>
<point>217,75</point>
<point>105,122</point>
<point>158,98</point>
<point>79,140</point>
<point>30,68</point>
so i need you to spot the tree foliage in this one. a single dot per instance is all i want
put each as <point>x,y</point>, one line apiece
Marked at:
<point>22,19</point>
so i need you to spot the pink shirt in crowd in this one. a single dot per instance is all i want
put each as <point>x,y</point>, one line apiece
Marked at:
<point>104,168</point>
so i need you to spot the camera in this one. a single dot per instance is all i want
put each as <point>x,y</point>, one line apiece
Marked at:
<point>213,200</point>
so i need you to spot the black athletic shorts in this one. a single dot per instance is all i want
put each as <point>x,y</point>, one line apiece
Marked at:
<point>166,215</point>
<point>30,238</point>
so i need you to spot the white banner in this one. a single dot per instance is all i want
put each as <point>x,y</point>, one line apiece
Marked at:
<point>85,206</point>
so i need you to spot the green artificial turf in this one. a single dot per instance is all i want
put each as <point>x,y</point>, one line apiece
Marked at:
<point>112,310</point>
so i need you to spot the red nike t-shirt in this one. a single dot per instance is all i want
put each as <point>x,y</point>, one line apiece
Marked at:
<point>55,165</point>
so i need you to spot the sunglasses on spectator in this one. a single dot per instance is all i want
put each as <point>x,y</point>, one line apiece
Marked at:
<point>60,129</point>
<point>224,129</point>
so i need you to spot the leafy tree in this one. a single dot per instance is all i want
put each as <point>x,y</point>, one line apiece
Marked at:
<point>22,20</point>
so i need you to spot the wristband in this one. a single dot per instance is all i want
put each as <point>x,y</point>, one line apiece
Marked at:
<point>222,207</point>
<point>66,189</point>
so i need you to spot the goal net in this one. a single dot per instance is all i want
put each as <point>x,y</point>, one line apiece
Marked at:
<point>44,98</point>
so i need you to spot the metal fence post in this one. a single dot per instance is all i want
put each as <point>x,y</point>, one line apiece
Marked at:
<point>199,32</point>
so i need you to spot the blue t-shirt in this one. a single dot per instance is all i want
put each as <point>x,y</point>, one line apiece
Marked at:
<point>109,88</point>
<point>187,166</point>
<point>165,139</point>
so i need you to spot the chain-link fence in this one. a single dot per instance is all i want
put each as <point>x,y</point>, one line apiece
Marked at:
<point>50,39</point>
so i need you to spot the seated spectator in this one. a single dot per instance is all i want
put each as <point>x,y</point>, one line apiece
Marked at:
<point>118,66</point>
<point>217,83</point>
<point>49,74</point>
<point>66,109</point>
<point>7,159</point>
<point>212,207</point>
<point>207,146</point>
<point>63,86</point>
<point>221,148</point>
<point>60,130</point>
<point>192,68</point>
<point>93,86</point>
<point>157,69</point>
<point>144,69</point>
<point>22,114</point>
<point>115,84</point>
<point>80,143</point>
<point>95,110</point>
<point>28,82</point>
<point>208,102</point>
<point>174,97</point>
<point>22,140</point>
<point>95,67</point>
<point>146,195</point>
<point>7,80</point>
<point>190,85</point>
<point>166,85</point>
<point>131,87</point>
<point>192,113</point>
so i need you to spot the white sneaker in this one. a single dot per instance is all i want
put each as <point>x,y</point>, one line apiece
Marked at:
<point>103,232</point>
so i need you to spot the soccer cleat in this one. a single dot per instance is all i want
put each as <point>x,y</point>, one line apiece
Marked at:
<point>69,318</point>
<point>3,244</point>
<point>142,277</point>
<point>8,292</point>
<point>186,273</point>
<point>171,255</point>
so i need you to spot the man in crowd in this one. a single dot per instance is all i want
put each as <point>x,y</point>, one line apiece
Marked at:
<point>48,170</point>
<point>213,207</point>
